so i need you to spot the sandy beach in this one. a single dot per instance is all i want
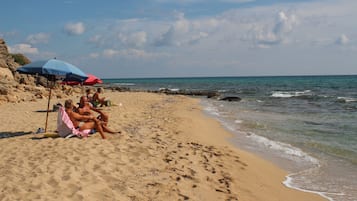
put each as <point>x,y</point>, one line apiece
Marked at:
<point>167,150</point>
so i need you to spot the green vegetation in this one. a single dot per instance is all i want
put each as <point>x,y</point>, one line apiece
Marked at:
<point>20,59</point>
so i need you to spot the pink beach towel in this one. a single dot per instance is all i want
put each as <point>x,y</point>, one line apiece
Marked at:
<point>65,126</point>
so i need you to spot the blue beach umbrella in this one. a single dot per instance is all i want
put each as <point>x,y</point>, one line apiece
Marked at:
<point>54,69</point>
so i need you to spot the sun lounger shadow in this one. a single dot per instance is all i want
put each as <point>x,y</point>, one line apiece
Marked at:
<point>44,111</point>
<point>51,135</point>
<point>54,109</point>
<point>13,134</point>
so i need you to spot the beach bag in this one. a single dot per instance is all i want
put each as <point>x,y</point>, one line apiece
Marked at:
<point>108,103</point>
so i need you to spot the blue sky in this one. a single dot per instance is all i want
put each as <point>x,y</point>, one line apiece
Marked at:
<point>166,38</point>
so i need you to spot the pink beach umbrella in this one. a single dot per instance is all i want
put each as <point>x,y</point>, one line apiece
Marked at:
<point>91,80</point>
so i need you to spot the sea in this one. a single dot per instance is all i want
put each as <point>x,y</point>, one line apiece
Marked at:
<point>306,125</point>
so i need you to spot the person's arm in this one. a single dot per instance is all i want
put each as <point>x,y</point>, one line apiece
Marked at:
<point>82,117</point>
<point>95,109</point>
<point>95,97</point>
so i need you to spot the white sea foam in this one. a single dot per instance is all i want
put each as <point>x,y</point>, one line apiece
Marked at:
<point>211,110</point>
<point>289,183</point>
<point>238,121</point>
<point>347,99</point>
<point>288,151</point>
<point>125,84</point>
<point>174,90</point>
<point>289,94</point>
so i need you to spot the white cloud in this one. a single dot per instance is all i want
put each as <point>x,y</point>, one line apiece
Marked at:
<point>264,34</point>
<point>196,38</point>
<point>135,53</point>
<point>181,32</point>
<point>94,55</point>
<point>237,1</point>
<point>9,34</point>
<point>207,24</point>
<point>97,40</point>
<point>136,39</point>
<point>131,53</point>
<point>38,38</point>
<point>74,28</point>
<point>288,29</point>
<point>284,24</point>
<point>342,40</point>
<point>23,49</point>
<point>180,2</point>
<point>205,1</point>
<point>109,53</point>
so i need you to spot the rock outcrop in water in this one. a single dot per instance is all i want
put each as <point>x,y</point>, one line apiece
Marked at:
<point>205,93</point>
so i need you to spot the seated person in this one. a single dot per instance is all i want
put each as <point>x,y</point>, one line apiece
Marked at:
<point>89,94</point>
<point>86,108</point>
<point>97,100</point>
<point>83,122</point>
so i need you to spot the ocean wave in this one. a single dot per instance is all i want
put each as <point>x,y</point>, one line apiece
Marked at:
<point>169,89</point>
<point>125,84</point>
<point>346,99</point>
<point>238,121</point>
<point>290,94</point>
<point>288,151</point>
<point>210,109</point>
<point>290,184</point>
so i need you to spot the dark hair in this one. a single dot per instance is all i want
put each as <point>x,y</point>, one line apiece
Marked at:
<point>68,104</point>
<point>82,101</point>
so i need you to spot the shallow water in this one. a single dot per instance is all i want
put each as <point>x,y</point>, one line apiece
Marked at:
<point>328,171</point>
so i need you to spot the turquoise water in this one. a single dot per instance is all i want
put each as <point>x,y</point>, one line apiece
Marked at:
<point>305,124</point>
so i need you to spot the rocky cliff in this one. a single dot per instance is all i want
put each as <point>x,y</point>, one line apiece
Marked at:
<point>7,63</point>
<point>15,87</point>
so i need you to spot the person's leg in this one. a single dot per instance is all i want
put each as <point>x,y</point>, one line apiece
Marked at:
<point>106,129</point>
<point>99,128</point>
<point>102,102</point>
<point>93,124</point>
<point>104,118</point>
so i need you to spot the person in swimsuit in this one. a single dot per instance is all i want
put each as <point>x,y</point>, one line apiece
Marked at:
<point>83,122</point>
<point>97,100</point>
<point>86,108</point>
<point>89,94</point>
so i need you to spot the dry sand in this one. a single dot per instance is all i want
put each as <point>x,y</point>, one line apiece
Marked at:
<point>168,150</point>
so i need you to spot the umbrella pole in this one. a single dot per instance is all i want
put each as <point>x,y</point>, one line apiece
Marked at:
<point>48,107</point>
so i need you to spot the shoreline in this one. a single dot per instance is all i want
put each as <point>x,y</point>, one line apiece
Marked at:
<point>278,161</point>
<point>168,149</point>
<point>227,142</point>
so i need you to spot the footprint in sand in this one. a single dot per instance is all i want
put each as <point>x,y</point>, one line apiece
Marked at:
<point>52,182</point>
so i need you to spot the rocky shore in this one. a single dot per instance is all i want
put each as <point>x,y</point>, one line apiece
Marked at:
<point>16,87</point>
